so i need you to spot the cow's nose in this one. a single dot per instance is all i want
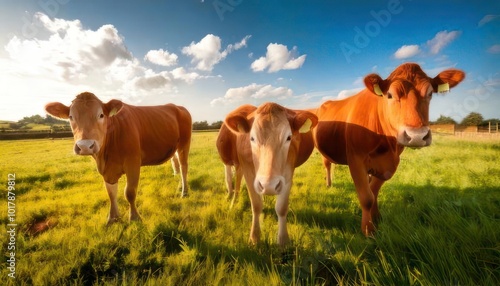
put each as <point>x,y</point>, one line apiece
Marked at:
<point>269,186</point>
<point>415,137</point>
<point>86,147</point>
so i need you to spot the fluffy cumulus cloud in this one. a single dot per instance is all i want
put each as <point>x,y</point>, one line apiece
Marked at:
<point>253,91</point>
<point>72,57</point>
<point>407,51</point>
<point>277,58</point>
<point>208,51</point>
<point>441,40</point>
<point>161,58</point>
<point>70,52</point>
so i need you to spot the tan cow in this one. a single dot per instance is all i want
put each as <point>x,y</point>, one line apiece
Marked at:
<point>122,138</point>
<point>271,142</point>
<point>369,130</point>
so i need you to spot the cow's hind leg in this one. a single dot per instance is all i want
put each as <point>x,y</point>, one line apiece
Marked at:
<point>328,168</point>
<point>175,164</point>
<point>237,183</point>
<point>114,215</point>
<point>183,161</point>
<point>228,172</point>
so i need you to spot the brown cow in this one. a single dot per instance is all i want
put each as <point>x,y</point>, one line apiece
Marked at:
<point>226,146</point>
<point>271,142</point>
<point>122,138</point>
<point>369,130</point>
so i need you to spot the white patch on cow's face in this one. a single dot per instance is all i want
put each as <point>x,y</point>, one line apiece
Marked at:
<point>270,142</point>
<point>89,124</point>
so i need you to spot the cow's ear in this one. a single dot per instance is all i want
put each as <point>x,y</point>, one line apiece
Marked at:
<point>376,84</point>
<point>447,79</point>
<point>237,123</point>
<point>112,107</point>
<point>57,109</point>
<point>304,121</point>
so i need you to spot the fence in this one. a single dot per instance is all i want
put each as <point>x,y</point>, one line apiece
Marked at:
<point>490,131</point>
<point>34,135</point>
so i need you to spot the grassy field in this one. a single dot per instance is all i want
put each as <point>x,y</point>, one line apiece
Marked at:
<point>441,223</point>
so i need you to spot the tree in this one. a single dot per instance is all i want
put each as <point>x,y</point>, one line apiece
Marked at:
<point>200,125</point>
<point>445,120</point>
<point>473,119</point>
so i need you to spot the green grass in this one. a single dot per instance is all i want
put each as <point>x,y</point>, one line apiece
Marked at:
<point>441,223</point>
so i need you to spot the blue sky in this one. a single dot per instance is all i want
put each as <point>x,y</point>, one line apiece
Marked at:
<point>212,56</point>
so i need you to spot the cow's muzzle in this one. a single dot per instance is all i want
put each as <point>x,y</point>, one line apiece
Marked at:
<point>86,147</point>
<point>415,137</point>
<point>269,186</point>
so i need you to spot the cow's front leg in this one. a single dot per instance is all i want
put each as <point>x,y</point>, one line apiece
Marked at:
<point>375,185</point>
<point>281,208</point>
<point>365,196</point>
<point>114,215</point>
<point>257,206</point>
<point>131,193</point>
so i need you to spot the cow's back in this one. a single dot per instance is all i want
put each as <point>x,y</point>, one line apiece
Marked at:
<point>150,132</point>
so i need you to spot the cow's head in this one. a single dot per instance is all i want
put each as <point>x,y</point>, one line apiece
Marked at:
<point>273,133</point>
<point>88,117</point>
<point>407,93</point>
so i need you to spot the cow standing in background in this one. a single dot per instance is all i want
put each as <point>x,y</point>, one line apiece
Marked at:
<point>369,130</point>
<point>122,138</point>
<point>271,141</point>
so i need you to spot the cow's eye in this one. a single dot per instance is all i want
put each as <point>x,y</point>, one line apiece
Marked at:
<point>252,139</point>
<point>101,115</point>
<point>289,138</point>
<point>389,95</point>
<point>71,118</point>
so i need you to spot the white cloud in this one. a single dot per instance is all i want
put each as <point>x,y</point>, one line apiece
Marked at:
<point>161,57</point>
<point>70,52</point>
<point>207,52</point>
<point>348,93</point>
<point>441,40</point>
<point>277,58</point>
<point>407,51</point>
<point>253,91</point>
<point>495,49</point>
<point>486,19</point>
<point>66,58</point>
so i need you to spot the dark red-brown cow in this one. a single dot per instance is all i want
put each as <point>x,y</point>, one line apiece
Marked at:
<point>368,131</point>
<point>122,138</point>
<point>271,141</point>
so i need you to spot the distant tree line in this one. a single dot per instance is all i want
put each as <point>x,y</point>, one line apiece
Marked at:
<point>472,119</point>
<point>24,124</point>
<point>203,125</point>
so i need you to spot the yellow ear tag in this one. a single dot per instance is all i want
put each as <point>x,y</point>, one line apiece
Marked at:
<point>445,87</point>
<point>113,112</point>
<point>377,90</point>
<point>306,127</point>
